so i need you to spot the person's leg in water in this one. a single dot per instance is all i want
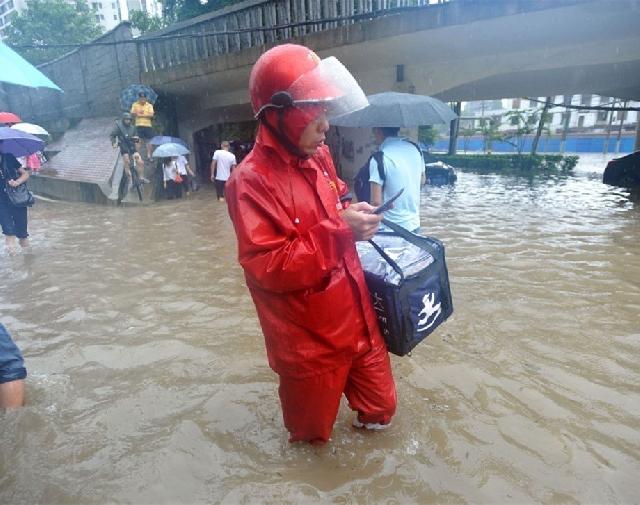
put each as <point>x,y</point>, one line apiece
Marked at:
<point>310,405</point>
<point>20,223</point>
<point>126,162</point>
<point>7,223</point>
<point>139,167</point>
<point>370,388</point>
<point>219,189</point>
<point>12,372</point>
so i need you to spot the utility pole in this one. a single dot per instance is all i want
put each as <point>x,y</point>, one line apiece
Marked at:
<point>606,142</point>
<point>622,115</point>
<point>565,127</point>
<point>637,146</point>
<point>453,130</point>
<point>543,117</point>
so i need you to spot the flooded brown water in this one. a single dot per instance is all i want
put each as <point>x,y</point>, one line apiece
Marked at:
<point>148,380</point>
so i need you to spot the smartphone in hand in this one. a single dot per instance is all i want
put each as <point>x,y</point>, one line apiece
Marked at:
<point>388,204</point>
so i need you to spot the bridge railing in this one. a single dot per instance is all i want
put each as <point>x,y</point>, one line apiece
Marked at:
<point>255,23</point>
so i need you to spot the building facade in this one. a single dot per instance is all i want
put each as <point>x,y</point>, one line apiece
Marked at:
<point>575,121</point>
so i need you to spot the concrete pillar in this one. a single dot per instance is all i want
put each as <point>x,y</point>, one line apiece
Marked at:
<point>636,147</point>
<point>453,130</point>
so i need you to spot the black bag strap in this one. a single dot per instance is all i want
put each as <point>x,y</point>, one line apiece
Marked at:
<point>388,259</point>
<point>379,157</point>
<point>410,237</point>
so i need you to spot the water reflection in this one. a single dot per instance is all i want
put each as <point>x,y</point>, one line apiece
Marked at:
<point>148,378</point>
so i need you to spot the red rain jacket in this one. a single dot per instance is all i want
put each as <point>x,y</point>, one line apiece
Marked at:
<point>299,258</point>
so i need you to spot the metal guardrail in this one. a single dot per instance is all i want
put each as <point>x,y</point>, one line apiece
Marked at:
<point>255,23</point>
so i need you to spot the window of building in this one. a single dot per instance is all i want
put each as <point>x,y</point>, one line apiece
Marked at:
<point>513,120</point>
<point>102,17</point>
<point>98,18</point>
<point>622,115</point>
<point>10,4</point>
<point>567,99</point>
<point>115,17</point>
<point>603,116</point>
<point>580,121</point>
<point>114,7</point>
<point>585,100</point>
<point>94,5</point>
<point>515,104</point>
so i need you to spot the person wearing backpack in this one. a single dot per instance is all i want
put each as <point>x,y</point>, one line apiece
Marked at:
<point>398,164</point>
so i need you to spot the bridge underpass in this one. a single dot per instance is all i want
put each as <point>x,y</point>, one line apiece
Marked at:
<point>460,50</point>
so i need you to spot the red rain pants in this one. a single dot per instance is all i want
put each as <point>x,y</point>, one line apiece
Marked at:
<point>310,405</point>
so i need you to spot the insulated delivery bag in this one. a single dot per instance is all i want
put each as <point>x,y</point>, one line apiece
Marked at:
<point>409,285</point>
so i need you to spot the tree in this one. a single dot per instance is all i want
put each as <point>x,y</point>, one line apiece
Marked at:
<point>525,122</point>
<point>51,22</point>
<point>489,128</point>
<point>466,133</point>
<point>145,22</point>
<point>428,135</point>
<point>179,10</point>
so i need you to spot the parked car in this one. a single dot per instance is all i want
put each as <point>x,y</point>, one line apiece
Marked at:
<point>439,173</point>
<point>623,171</point>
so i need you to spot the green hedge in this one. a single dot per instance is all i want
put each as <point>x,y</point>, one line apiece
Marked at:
<point>509,162</point>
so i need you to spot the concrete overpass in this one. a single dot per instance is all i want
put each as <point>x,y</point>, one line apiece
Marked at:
<point>456,50</point>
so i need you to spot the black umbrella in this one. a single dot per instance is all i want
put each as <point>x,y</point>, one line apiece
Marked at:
<point>398,110</point>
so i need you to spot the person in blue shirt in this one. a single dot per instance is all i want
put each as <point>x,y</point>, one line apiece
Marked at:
<point>403,168</point>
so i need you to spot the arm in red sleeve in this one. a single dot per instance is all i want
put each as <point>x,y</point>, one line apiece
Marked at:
<point>274,254</point>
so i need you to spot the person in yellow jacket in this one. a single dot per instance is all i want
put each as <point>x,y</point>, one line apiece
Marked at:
<point>143,112</point>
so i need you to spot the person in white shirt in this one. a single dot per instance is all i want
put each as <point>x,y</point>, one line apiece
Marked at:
<point>221,167</point>
<point>185,171</point>
<point>172,178</point>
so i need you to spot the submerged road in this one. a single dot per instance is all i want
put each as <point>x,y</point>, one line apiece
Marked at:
<point>148,380</point>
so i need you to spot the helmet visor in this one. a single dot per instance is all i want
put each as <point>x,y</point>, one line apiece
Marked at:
<point>330,85</point>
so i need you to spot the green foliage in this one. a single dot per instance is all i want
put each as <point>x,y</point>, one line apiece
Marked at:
<point>144,22</point>
<point>525,123</point>
<point>511,162</point>
<point>490,132</point>
<point>51,22</point>
<point>466,134</point>
<point>428,135</point>
<point>179,10</point>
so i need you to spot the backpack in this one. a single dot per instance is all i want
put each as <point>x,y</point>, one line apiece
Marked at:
<point>361,184</point>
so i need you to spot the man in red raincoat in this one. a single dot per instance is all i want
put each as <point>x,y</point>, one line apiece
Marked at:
<point>296,242</point>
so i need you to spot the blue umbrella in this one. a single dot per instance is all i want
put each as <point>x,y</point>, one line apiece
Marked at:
<point>168,150</point>
<point>16,70</point>
<point>158,140</point>
<point>130,95</point>
<point>18,143</point>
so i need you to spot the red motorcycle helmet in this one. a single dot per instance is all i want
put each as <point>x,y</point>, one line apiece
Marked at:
<point>291,75</point>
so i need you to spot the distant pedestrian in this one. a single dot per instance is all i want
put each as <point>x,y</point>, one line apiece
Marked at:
<point>403,169</point>
<point>12,372</point>
<point>124,136</point>
<point>221,167</point>
<point>12,219</point>
<point>172,178</point>
<point>184,169</point>
<point>143,112</point>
